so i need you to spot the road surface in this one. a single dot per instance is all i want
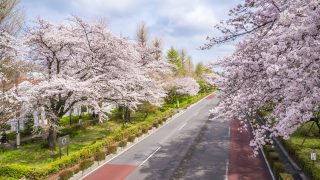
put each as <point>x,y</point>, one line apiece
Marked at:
<point>190,146</point>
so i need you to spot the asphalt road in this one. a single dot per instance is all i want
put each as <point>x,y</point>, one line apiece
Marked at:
<point>190,146</point>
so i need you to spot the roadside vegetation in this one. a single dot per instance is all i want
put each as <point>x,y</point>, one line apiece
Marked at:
<point>300,146</point>
<point>88,141</point>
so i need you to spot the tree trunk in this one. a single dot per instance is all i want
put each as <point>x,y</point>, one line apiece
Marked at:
<point>52,138</point>
<point>128,114</point>
<point>318,125</point>
<point>317,121</point>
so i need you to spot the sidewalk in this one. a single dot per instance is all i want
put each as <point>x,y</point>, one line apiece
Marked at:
<point>242,164</point>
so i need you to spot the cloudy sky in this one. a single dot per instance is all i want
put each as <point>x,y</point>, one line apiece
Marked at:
<point>179,23</point>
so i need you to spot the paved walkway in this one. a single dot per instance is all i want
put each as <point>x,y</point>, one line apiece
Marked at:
<point>242,165</point>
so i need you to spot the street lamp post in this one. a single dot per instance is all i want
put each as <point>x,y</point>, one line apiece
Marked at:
<point>18,134</point>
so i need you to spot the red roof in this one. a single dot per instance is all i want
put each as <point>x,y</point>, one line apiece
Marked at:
<point>20,80</point>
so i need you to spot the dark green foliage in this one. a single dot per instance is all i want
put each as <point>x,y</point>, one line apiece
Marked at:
<point>155,124</point>
<point>66,174</point>
<point>146,108</point>
<point>174,58</point>
<point>274,160</point>
<point>204,87</point>
<point>277,168</point>
<point>274,156</point>
<point>131,138</point>
<point>122,143</point>
<point>285,176</point>
<point>28,127</point>
<point>74,119</point>
<point>4,138</point>
<point>2,148</point>
<point>85,164</point>
<point>144,130</point>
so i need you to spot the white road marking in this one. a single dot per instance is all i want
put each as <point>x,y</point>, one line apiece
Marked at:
<point>229,131</point>
<point>150,156</point>
<point>227,170</point>
<point>182,126</point>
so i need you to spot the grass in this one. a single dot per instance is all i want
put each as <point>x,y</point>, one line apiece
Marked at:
<point>301,153</point>
<point>36,154</point>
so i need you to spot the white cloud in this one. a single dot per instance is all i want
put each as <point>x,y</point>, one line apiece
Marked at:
<point>180,23</point>
<point>106,6</point>
<point>194,14</point>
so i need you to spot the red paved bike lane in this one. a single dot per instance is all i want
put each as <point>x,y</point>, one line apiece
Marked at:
<point>242,165</point>
<point>111,172</point>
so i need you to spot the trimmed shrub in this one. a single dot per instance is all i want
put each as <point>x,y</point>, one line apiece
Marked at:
<point>268,148</point>
<point>85,164</point>
<point>100,156</point>
<point>118,137</point>
<point>274,156</point>
<point>138,134</point>
<point>19,171</point>
<point>122,143</point>
<point>144,130</point>
<point>278,168</point>
<point>131,138</point>
<point>160,121</point>
<point>66,174</point>
<point>285,176</point>
<point>155,124</point>
<point>112,149</point>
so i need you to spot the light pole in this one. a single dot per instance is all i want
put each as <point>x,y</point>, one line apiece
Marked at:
<point>18,133</point>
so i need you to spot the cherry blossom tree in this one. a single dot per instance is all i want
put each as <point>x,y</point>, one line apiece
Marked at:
<point>211,78</point>
<point>86,65</point>
<point>274,65</point>
<point>186,86</point>
<point>9,69</point>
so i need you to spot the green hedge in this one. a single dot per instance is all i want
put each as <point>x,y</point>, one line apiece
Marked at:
<point>275,163</point>
<point>100,156</point>
<point>304,162</point>
<point>65,175</point>
<point>87,153</point>
<point>285,176</point>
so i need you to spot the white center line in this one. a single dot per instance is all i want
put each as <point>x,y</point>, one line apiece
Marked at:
<point>150,156</point>
<point>229,131</point>
<point>182,126</point>
<point>227,169</point>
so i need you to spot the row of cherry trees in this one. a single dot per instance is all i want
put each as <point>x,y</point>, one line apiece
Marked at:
<point>275,65</point>
<point>83,64</point>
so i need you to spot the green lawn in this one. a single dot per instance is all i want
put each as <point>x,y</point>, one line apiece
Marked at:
<point>36,154</point>
<point>301,153</point>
